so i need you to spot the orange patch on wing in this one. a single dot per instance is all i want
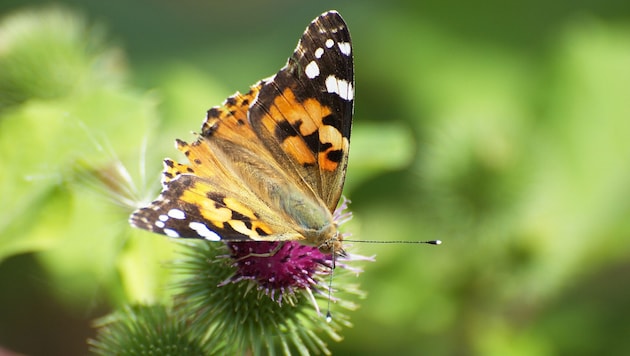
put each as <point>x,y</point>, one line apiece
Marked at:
<point>237,206</point>
<point>307,117</point>
<point>297,148</point>
<point>314,110</point>
<point>329,134</point>
<point>221,216</point>
<point>201,159</point>
<point>196,195</point>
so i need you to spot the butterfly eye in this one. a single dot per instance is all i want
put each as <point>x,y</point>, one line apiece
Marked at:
<point>332,246</point>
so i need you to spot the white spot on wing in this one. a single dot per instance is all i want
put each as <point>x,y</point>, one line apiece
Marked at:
<point>319,52</point>
<point>312,70</point>
<point>329,43</point>
<point>340,87</point>
<point>160,224</point>
<point>345,48</point>
<point>163,217</point>
<point>176,214</point>
<point>204,232</point>
<point>171,233</point>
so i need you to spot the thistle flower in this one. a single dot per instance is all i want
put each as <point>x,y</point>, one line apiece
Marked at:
<point>278,268</point>
<point>264,297</point>
<point>145,330</point>
<point>237,308</point>
<point>281,268</point>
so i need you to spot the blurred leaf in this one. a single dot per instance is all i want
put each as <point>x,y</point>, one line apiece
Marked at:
<point>76,111</point>
<point>143,268</point>
<point>49,53</point>
<point>40,142</point>
<point>377,149</point>
<point>581,180</point>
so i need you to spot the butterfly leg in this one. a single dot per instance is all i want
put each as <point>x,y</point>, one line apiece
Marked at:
<point>266,254</point>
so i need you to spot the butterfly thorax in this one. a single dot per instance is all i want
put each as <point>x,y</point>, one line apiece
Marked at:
<point>327,238</point>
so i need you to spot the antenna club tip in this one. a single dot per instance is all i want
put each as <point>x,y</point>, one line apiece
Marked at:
<point>328,317</point>
<point>437,242</point>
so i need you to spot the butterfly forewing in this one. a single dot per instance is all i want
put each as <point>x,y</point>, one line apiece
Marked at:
<point>305,113</point>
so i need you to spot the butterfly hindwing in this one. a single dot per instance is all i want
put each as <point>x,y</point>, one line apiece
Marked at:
<point>190,208</point>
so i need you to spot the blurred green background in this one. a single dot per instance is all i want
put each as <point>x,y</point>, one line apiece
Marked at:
<point>502,129</point>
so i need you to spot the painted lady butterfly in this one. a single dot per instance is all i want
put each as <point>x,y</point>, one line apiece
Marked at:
<point>269,165</point>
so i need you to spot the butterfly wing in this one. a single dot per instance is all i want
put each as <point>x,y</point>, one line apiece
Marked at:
<point>203,199</point>
<point>304,114</point>
<point>269,164</point>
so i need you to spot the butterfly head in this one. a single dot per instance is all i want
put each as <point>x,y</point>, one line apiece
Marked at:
<point>332,247</point>
<point>332,244</point>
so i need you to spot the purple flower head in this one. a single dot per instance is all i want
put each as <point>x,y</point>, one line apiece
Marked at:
<point>280,269</point>
<point>278,266</point>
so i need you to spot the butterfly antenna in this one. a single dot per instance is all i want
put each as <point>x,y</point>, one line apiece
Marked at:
<point>328,315</point>
<point>430,242</point>
<point>334,257</point>
<point>330,280</point>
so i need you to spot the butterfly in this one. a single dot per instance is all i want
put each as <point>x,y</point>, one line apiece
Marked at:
<point>270,164</point>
